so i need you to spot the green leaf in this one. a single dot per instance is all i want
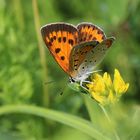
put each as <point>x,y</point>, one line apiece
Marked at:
<point>70,120</point>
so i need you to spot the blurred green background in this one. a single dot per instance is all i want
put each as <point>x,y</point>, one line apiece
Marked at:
<point>26,65</point>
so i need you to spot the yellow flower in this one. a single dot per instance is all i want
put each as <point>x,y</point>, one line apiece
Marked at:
<point>98,83</point>
<point>104,91</point>
<point>108,80</point>
<point>118,83</point>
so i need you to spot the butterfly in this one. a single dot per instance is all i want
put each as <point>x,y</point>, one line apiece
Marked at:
<point>77,49</point>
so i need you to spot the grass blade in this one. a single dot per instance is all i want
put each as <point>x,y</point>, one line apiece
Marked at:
<point>70,120</point>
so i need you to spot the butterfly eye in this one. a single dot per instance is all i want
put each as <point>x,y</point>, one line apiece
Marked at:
<point>71,80</point>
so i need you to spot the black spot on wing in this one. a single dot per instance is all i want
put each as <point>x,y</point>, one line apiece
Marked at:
<point>51,40</point>
<point>59,39</point>
<point>49,44</point>
<point>99,32</point>
<point>62,58</point>
<point>64,39</point>
<point>57,50</point>
<point>54,37</point>
<point>71,42</point>
<point>94,38</point>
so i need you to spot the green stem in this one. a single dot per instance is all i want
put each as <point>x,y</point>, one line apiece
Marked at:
<point>70,120</point>
<point>41,51</point>
<point>19,13</point>
<point>89,108</point>
<point>110,122</point>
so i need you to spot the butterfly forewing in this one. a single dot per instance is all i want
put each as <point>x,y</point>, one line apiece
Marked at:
<point>60,38</point>
<point>95,56</point>
<point>89,32</point>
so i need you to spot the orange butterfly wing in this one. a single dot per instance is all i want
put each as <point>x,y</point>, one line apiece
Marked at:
<point>90,32</point>
<point>60,39</point>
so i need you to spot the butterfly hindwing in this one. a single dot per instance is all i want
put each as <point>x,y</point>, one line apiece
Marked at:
<point>60,39</point>
<point>78,55</point>
<point>89,32</point>
<point>95,56</point>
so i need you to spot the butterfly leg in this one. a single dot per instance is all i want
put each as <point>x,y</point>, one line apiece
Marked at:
<point>87,82</point>
<point>81,84</point>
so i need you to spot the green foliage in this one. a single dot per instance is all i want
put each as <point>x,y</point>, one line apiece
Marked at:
<point>23,73</point>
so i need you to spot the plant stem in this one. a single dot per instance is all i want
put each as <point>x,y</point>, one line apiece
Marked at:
<point>110,122</point>
<point>89,108</point>
<point>19,13</point>
<point>41,52</point>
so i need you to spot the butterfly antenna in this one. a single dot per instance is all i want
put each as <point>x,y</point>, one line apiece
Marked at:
<point>62,91</point>
<point>50,82</point>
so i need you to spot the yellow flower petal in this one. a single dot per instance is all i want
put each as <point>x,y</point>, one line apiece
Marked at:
<point>119,85</point>
<point>98,98</point>
<point>98,83</point>
<point>107,79</point>
<point>126,87</point>
<point>90,86</point>
<point>112,98</point>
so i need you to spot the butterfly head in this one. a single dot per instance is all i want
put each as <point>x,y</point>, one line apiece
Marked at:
<point>72,80</point>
